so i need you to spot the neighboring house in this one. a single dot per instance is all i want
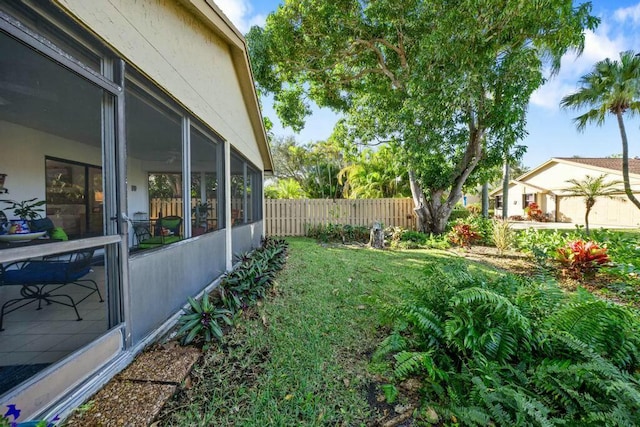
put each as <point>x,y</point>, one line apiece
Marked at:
<point>545,186</point>
<point>138,123</point>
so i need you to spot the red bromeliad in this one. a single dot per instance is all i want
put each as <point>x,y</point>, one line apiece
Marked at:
<point>580,258</point>
<point>463,235</point>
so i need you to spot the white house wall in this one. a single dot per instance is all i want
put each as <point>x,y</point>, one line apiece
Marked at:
<point>23,157</point>
<point>194,65</point>
<point>515,200</point>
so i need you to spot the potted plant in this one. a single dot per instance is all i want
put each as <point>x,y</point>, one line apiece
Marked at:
<point>200,211</point>
<point>26,210</point>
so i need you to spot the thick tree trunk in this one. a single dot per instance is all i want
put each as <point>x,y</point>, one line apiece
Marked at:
<point>433,213</point>
<point>376,237</point>
<point>625,161</point>
<point>418,202</point>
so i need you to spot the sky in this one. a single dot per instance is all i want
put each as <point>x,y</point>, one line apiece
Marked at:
<point>551,131</point>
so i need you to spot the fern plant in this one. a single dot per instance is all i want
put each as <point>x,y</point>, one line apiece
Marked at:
<point>510,351</point>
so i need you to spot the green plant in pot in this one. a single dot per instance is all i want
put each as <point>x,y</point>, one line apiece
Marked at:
<point>200,213</point>
<point>26,210</point>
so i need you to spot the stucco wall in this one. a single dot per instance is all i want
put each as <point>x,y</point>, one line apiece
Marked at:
<point>611,213</point>
<point>177,51</point>
<point>516,191</point>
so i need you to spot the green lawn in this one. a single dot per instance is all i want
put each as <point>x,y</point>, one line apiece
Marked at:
<point>302,356</point>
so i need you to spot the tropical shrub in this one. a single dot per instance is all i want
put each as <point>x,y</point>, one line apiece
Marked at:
<point>624,251</point>
<point>481,225</point>
<point>250,281</point>
<point>463,235</point>
<point>400,238</point>
<point>475,208</point>
<point>338,233</point>
<point>459,212</point>
<point>513,351</point>
<point>580,259</point>
<point>484,227</point>
<point>503,236</point>
<point>201,319</point>
<point>238,290</point>
<point>542,244</point>
<point>534,213</point>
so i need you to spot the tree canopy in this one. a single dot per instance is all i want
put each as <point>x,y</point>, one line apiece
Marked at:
<point>446,81</point>
<point>612,87</point>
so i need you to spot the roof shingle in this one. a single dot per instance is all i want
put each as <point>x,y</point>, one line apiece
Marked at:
<point>606,163</point>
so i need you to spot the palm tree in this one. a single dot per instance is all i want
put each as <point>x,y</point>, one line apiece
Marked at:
<point>591,188</point>
<point>612,87</point>
<point>284,188</point>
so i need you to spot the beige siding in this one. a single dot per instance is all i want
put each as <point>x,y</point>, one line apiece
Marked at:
<point>181,54</point>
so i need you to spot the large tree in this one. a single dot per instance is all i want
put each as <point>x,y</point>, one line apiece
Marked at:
<point>448,81</point>
<point>612,87</point>
<point>315,167</point>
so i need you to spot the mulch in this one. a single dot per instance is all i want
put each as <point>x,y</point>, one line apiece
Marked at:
<point>136,395</point>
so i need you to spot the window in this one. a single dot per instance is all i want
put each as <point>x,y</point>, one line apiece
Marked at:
<point>75,197</point>
<point>246,191</point>
<point>498,202</point>
<point>155,167</point>
<point>207,195</point>
<point>58,135</point>
<point>527,199</point>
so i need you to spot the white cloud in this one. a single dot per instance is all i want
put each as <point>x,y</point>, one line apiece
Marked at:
<point>241,14</point>
<point>549,95</point>
<point>598,45</point>
<point>631,13</point>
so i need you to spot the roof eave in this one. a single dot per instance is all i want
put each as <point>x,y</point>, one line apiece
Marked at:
<point>213,17</point>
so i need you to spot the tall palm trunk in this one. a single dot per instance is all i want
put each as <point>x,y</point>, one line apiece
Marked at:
<point>505,188</point>
<point>590,203</point>
<point>625,161</point>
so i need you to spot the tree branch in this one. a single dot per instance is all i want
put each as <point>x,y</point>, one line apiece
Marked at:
<point>381,60</point>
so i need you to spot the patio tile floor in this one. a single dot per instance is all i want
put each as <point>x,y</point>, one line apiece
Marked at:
<point>45,336</point>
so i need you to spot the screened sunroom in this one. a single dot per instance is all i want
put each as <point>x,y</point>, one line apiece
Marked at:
<point>131,172</point>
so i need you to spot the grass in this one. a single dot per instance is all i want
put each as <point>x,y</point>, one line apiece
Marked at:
<point>302,356</point>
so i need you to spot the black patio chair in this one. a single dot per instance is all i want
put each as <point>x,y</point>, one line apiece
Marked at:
<point>41,279</point>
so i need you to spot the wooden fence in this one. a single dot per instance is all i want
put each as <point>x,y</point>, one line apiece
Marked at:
<point>291,217</point>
